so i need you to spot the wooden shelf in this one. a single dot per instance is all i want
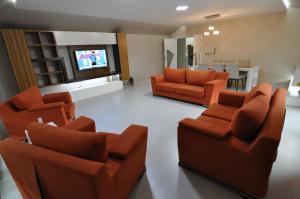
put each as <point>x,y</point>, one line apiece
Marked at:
<point>41,45</point>
<point>49,73</point>
<point>48,66</point>
<point>47,59</point>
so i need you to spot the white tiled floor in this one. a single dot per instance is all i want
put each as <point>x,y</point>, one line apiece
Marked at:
<point>164,179</point>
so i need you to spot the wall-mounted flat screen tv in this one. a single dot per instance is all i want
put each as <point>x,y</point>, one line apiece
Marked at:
<point>90,59</point>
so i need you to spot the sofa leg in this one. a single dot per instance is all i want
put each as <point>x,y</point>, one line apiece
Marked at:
<point>184,165</point>
<point>205,106</point>
<point>247,196</point>
<point>142,174</point>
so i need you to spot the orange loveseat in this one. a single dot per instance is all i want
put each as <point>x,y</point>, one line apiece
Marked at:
<point>236,140</point>
<point>196,86</point>
<point>66,163</point>
<point>29,105</point>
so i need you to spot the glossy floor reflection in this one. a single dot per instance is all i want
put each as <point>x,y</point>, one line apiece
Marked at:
<point>164,179</point>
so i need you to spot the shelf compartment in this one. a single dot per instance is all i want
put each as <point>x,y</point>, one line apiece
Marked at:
<point>47,38</point>
<point>32,38</point>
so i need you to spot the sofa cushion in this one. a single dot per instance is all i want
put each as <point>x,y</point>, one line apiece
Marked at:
<point>87,145</point>
<point>27,98</point>
<point>220,111</point>
<point>260,89</point>
<point>70,110</point>
<point>110,138</point>
<point>190,90</point>
<point>248,119</point>
<point>199,77</point>
<point>175,75</point>
<point>167,86</point>
<point>212,127</point>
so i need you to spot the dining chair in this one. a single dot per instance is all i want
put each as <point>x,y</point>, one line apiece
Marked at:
<point>229,61</point>
<point>244,63</point>
<point>218,67</point>
<point>235,76</point>
<point>218,61</point>
<point>201,67</point>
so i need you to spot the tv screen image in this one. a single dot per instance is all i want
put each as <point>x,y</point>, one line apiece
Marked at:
<point>89,59</point>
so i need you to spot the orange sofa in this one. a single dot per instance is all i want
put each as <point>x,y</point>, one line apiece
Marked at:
<point>196,86</point>
<point>236,140</point>
<point>29,105</point>
<point>63,162</point>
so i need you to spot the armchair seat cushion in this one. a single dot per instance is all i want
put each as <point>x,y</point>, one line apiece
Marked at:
<point>167,86</point>
<point>28,98</point>
<point>70,110</point>
<point>221,111</point>
<point>190,90</point>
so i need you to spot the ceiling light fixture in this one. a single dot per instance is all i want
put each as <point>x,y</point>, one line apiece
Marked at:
<point>286,3</point>
<point>206,33</point>
<point>216,32</point>
<point>182,8</point>
<point>211,28</point>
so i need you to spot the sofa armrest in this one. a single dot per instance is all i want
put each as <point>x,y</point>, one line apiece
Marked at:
<point>204,128</point>
<point>128,141</point>
<point>265,148</point>
<point>82,124</point>
<point>158,78</point>
<point>41,107</point>
<point>232,98</point>
<point>212,90</point>
<point>58,97</point>
<point>54,112</point>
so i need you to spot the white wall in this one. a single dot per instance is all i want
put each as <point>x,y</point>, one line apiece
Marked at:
<point>271,41</point>
<point>145,54</point>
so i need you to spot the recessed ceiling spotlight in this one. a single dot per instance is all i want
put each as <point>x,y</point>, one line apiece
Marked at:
<point>287,3</point>
<point>182,8</point>
<point>13,1</point>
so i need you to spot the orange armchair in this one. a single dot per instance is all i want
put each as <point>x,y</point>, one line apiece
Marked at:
<point>59,170</point>
<point>29,105</point>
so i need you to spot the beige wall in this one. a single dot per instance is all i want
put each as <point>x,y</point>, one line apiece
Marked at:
<point>145,53</point>
<point>271,41</point>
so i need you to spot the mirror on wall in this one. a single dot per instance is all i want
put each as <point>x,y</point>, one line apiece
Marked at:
<point>185,52</point>
<point>182,52</point>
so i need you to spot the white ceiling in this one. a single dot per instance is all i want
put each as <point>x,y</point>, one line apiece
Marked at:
<point>155,11</point>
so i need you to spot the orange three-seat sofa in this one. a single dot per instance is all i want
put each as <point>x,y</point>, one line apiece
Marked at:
<point>196,86</point>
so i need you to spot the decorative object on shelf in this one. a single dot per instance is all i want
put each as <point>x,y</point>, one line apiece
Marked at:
<point>211,31</point>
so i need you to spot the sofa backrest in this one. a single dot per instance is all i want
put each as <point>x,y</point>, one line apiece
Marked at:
<point>221,76</point>
<point>175,75</point>
<point>43,173</point>
<point>261,89</point>
<point>199,77</point>
<point>266,143</point>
